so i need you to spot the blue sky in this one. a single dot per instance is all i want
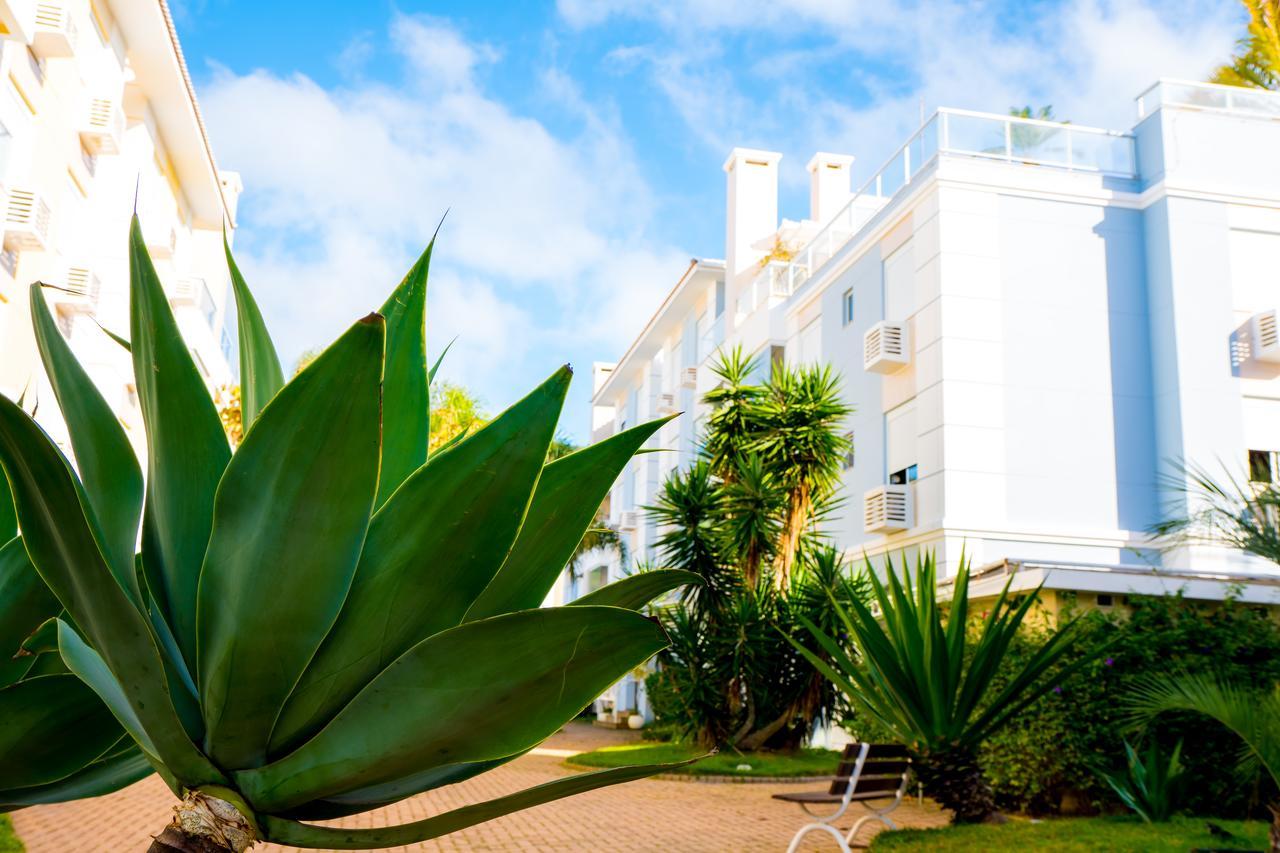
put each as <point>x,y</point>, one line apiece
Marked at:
<point>578,144</point>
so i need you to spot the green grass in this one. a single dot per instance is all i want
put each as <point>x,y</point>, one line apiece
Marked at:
<point>9,842</point>
<point>805,762</point>
<point>1083,834</point>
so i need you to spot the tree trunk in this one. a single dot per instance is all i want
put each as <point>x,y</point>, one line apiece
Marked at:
<point>204,824</point>
<point>953,779</point>
<point>757,739</point>
<point>1275,826</point>
<point>798,508</point>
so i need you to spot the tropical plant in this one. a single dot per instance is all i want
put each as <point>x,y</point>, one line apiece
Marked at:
<point>921,677</point>
<point>58,741</point>
<point>1150,784</point>
<point>1256,62</point>
<point>745,519</point>
<point>315,620</point>
<point>1225,511</point>
<point>1252,714</point>
<point>227,399</point>
<point>455,413</point>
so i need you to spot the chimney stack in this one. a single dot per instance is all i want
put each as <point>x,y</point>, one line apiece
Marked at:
<point>752,206</point>
<point>829,185</point>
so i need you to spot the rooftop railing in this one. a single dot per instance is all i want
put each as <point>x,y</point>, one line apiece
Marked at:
<point>954,133</point>
<point>1209,96</point>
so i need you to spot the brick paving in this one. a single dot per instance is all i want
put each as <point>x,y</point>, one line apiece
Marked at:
<point>648,815</point>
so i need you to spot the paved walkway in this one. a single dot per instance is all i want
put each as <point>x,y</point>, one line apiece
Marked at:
<point>648,815</point>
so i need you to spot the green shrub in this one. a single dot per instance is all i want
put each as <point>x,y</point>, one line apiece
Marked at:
<point>1041,762</point>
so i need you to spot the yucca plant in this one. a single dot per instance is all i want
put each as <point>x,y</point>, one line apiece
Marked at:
<point>932,684</point>
<point>58,741</point>
<point>325,621</point>
<point>1150,784</point>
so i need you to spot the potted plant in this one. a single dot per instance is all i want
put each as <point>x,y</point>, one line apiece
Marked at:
<point>635,719</point>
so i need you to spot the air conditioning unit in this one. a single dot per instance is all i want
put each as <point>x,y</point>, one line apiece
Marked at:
<point>628,520</point>
<point>666,404</point>
<point>55,31</point>
<point>161,240</point>
<point>17,20</point>
<point>101,125</point>
<point>26,220</point>
<point>1264,337</point>
<point>81,289</point>
<point>886,348</point>
<point>886,509</point>
<point>186,291</point>
<point>689,377</point>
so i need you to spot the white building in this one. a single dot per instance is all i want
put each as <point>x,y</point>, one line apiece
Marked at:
<point>97,107</point>
<point>1032,319</point>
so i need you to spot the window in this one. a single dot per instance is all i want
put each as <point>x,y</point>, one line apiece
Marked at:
<point>719,298</point>
<point>1105,600</point>
<point>846,307</point>
<point>597,578</point>
<point>903,476</point>
<point>1264,466</point>
<point>848,454</point>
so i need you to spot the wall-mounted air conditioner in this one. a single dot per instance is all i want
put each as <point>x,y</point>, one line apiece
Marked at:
<point>80,291</point>
<point>886,509</point>
<point>886,348</point>
<point>666,404</point>
<point>1264,337</point>
<point>101,125</point>
<point>55,31</point>
<point>628,520</point>
<point>26,219</point>
<point>17,20</point>
<point>689,377</point>
<point>161,239</point>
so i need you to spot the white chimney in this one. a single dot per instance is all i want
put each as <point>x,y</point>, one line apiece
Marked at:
<point>752,206</point>
<point>829,185</point>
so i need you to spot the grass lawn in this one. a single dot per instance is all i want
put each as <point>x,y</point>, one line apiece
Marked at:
<point>806,762</point>
<point>1085,834</point>
<point>9,842</point>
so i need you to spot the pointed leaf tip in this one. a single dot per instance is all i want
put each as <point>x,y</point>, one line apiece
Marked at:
<point>373,318</point>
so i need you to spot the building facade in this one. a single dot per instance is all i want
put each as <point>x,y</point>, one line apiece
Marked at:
<point>1033,321</point>
<point>98,116</point>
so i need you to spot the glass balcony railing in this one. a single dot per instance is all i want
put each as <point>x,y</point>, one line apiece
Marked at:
<point>954,133</point>
<point>1210,96</point>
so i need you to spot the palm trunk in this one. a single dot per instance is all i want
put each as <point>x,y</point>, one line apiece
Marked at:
<point>798,507</point>
<point>1275,826</point>
<point>204,824</point>
<point>953,779</point>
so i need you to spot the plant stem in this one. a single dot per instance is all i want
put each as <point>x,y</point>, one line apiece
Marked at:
<point>204,824</point>
<point>953,779</point>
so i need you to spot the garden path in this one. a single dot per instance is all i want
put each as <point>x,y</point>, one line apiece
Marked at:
<point>649,815</point>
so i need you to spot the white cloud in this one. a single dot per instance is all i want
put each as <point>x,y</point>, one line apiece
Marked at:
<point>544,242</point>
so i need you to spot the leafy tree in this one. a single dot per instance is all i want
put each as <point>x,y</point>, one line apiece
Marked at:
<point>745,519</point>
<point>1256,63</point>
<point>922,678</point>
<point>455,412</point>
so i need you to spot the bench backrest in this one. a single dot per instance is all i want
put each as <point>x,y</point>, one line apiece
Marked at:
<point>884,769</point>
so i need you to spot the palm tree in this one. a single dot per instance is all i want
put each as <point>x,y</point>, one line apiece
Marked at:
<point>1251,714</point>
<point>1256,63</point>
<point>926,678</point>
<point>1227,511</point>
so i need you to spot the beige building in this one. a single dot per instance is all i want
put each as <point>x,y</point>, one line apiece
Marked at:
<point>97,107</point>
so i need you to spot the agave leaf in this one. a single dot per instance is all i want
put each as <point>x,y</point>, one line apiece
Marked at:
<point>25,601</point>
<point>289,524</point>
<point>108,470</point>
<point>260,375</point>
<point>431,550</point>
<point>65,553</point>
<point>435,368</point>
<point>564,505</point>
<point>124,344</point>
<point>406,399</point>
<point>420,712</point>
<point>42,640</point>
<point>50,727</point>
<point>91,669</point>
<point>186,449</point>
<point>101,777</point>
<point>283,831</point>
<point>638,590</point>
<point>8,515</point>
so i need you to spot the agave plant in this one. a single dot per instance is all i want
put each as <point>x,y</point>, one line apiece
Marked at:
<point>922,676</point>
<point>325,621</point>
<point>58,741</point>
<point>1150,784</point>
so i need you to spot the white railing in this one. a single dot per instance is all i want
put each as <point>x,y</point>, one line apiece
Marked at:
<point>1208,96</point>
<point>953,133</point>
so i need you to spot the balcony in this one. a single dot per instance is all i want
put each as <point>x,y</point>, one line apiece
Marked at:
<point>1209,96</point>
<point>17,20</point>
<point>26,220</point>
<point>55,31</point>
<point>961,134</point>
<point>101,125</point>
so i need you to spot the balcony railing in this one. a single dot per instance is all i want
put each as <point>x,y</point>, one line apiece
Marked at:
<point>1209,96</point>
<point>956,133</point>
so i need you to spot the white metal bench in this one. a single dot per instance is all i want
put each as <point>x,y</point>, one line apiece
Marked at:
<point>867,772</point>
